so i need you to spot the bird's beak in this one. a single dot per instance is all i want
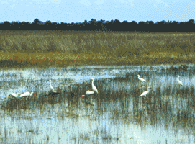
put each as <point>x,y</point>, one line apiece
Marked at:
<point>82,96</point>
<point>34,95</point>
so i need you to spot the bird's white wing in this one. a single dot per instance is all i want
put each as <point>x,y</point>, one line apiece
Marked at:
<point>25,94</point>
<point>141,79</point>
<point>15,95</point>
<point>95,89</point>
<point>89,92</point>
<point>51,87</point>
<point>180,82</point>
<point>144,93</point>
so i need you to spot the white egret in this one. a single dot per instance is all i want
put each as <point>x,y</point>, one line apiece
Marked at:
<point>82,96</point>
<point>27,94</point>
<point>141,79</point>
<point>145,92</point>
<point>52,89</point>
<point>92,85</point>
<point>179,82</point>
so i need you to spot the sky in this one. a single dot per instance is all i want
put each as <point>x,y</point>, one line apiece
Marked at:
<point>80,10</point>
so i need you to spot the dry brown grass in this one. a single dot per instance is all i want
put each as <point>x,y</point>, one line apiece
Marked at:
<point>55,48</point>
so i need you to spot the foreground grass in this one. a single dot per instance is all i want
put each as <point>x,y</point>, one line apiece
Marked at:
<point>61,49</point>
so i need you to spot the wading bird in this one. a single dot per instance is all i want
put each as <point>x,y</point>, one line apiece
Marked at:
<point>145,92</point>
<point>82,96</point>
<point>94,89</point>
<point>179,82</point>
<point>141,79</point>
<point>92,85</point>
<point>51,87</point>
<point>53,92</point>
<point>19,100</point>
<point>27,94</point>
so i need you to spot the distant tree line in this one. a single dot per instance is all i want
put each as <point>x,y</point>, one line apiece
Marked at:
<point>102,25</point>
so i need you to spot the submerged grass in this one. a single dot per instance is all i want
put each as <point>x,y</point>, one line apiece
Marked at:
<point>66,48</point>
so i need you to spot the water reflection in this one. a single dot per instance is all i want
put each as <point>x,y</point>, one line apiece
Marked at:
<point>117,114</point>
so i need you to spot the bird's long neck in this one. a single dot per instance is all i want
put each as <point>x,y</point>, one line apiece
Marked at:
<point>32,93</point>
<point>178,78</point>
<point>50,83</point>
<point>92,84</point>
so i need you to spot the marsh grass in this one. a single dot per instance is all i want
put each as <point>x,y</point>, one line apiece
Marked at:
<point>61,49</point>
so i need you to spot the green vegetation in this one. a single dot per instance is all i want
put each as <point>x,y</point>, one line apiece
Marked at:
<point>65,48</point>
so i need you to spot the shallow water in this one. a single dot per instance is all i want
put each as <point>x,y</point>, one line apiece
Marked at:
<point>117,115</point>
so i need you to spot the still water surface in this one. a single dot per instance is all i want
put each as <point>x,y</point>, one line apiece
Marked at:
<point>116,115</point>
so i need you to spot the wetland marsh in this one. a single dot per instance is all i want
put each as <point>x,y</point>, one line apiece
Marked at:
<point>116,115</point>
